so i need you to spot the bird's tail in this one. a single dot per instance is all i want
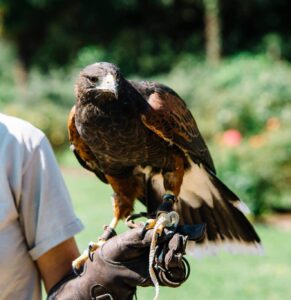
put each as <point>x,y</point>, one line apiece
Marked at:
<point>206,199</point>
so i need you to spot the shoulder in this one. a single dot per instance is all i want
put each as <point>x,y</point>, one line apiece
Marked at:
<point>13,129</point>
<point>147,88</point>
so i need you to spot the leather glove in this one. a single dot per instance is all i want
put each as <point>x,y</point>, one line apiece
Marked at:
<point>122,263</point>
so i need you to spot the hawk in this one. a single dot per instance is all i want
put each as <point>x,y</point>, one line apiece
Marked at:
<point>140,137</point>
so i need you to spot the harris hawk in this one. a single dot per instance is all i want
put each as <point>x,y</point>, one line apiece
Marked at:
<point>140,137</point>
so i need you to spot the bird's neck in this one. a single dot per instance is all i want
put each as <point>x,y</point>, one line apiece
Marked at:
<point>107,108</point>
<point>127,103</point>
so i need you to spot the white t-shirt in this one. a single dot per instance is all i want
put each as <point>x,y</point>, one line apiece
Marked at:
<point>36,213</point>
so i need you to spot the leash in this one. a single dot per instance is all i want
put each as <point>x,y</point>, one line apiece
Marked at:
<point>164,220</point>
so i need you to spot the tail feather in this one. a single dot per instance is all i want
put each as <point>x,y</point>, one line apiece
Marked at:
<point>206,199</point>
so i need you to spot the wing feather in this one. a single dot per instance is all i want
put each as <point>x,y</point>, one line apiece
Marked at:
<point>82,152</point>
<point>169,117</point>
<point>205,199</point>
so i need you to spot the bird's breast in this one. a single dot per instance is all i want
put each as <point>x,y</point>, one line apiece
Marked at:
<point>120,141</point>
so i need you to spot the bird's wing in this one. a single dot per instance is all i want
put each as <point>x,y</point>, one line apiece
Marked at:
<point>203,197</point>
<point>82,152</point>
<point>169,117</point>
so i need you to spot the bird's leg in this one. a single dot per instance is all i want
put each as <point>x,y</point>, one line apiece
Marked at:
<point>78,263</point>
<point>172,183</point>
<point>173,179</point>
<point>126,190</point>
<point>108,230</point>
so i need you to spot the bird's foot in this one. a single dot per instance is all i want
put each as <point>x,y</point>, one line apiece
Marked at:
<point>163,212</point>
<point>150,224</point>
<point>167,204</point>
<point>79,262</point>
<point>94,246</point>
<point>163,220</point>
<point>130,220</point>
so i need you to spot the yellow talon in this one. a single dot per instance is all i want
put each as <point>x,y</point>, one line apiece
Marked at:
<point>160,229</point>
<point>150,224</point>
<point>79,262</point>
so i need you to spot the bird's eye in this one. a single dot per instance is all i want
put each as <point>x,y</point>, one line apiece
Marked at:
<point>93,79</point>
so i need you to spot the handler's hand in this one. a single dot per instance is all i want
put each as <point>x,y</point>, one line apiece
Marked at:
<point>122,263</point>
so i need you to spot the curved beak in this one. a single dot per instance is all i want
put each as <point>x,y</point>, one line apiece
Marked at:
<point>108,84</point>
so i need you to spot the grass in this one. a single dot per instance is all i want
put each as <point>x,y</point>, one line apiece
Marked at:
<point>222,277</point>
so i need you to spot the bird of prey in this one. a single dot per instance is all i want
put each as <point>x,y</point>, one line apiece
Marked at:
<point>140,137</point>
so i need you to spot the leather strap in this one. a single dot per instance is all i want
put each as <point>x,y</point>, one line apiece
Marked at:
<point>99,292</point>
<point>103,297</point>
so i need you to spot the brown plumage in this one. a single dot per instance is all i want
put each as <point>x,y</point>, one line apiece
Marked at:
<point>141,139</point>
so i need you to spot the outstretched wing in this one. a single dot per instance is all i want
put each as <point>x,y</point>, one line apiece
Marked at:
<point>169,117</point>
<point>82,152</point>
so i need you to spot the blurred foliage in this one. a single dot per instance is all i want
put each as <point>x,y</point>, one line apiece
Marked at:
<point>154,32</point>
<point>246,93</point>
<point>259,168</point>
<point>43,99</point>
<point>251,94</point>
<point>141,36</point>
<point>7,78</point>
<point>243,92</point>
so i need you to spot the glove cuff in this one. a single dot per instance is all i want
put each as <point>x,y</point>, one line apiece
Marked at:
<point>53,292</point>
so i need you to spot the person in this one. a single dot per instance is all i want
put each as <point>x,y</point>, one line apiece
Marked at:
<point>37,221</point>
<point>38,224</point>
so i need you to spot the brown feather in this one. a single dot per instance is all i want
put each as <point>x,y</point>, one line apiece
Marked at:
<point>120,128</point>
<point>170,119</point>
<point>81,150</point>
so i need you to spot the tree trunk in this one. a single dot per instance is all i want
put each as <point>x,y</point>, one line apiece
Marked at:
<point>21,78</point>
<point>212,31</point>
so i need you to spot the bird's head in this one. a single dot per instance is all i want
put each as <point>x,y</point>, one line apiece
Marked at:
<point>99,82</point>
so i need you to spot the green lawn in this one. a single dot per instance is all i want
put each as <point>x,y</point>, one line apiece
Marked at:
<point>222,277</point>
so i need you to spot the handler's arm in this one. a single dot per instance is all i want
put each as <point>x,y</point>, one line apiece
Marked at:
<point>46,214</point>
<point>57,262</point>
<point>122,263</point>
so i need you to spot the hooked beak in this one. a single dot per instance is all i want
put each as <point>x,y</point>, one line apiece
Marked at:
<point>108,84</point>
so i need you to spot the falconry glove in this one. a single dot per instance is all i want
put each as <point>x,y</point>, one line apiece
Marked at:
<point>122,264</point>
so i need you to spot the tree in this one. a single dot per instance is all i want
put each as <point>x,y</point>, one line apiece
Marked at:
<point>144,36</point>
<point>212,31</point>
